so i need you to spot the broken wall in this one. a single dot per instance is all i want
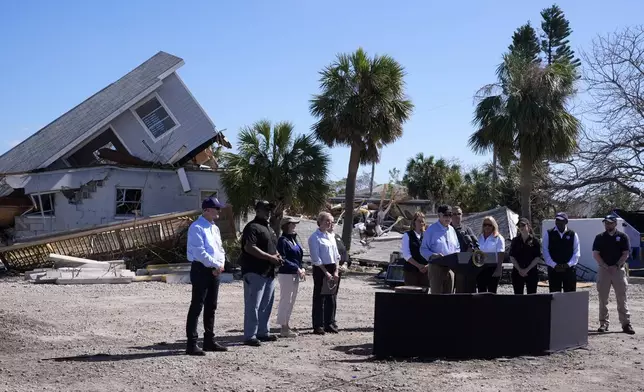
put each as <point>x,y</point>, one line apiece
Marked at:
<point>161,193</point>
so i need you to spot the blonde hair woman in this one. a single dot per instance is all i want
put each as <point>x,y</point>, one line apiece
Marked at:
<point>490,241</point>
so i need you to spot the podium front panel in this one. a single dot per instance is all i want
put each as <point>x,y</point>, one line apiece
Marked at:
<point>478,325</point>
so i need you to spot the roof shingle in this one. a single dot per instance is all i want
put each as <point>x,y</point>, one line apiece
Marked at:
<point>44,144</point>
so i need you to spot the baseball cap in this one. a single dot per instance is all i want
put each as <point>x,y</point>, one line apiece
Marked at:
<point>211,202</point>
<point>610,218</point>
<point>561,216</point>
<point>263,205</point>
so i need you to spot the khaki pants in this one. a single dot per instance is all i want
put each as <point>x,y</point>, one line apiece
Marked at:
<point>441,279</point>
<point>607,277</point>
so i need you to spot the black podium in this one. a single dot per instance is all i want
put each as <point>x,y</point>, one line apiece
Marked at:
<point>465,271</point>
<point>462,326</point>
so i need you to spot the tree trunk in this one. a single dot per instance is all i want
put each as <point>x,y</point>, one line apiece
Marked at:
<point>275,220</point>
<point>373,171</point>
<point>350,192</point>
<point>495,168</point>
<point>526,187</point>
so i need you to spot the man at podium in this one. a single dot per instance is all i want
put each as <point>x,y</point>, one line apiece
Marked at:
<point>440,240</point>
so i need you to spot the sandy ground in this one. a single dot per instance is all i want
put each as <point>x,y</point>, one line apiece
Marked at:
<point>131,338</point>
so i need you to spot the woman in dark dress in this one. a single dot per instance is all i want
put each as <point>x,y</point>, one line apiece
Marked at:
<point>525,254</point>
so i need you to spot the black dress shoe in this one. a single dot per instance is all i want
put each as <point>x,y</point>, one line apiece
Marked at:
<point>253,342</point>
<point>331,329</point>
<point>628,329</point>
<point>193,349</point>
<point>318,331</point>
<point>267,338</point>
<point>214,346</point>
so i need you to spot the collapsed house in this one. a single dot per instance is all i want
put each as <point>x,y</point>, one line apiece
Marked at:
<point>140,147</point>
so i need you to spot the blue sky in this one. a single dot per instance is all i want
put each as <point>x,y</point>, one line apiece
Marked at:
<point>251,60</point>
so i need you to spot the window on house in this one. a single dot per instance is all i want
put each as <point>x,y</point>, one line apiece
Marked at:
<point>128,202</point>
<point>155,117</point>
<point>43,204</point>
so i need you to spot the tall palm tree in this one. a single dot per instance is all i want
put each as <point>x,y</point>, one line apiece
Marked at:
<point>275,164</point>
<point>526,113</point>
<point>362,105</point>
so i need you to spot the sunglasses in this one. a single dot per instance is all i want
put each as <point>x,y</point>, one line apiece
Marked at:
<point>488,225</point>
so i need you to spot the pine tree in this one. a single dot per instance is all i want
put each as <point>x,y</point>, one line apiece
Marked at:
<point>554,43</point>
<point>526,42</point>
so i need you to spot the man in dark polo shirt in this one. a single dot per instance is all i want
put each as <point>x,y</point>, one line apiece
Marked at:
<point>561,253</point>
<point>611,250</point>
<point>463,282</point>
<point>259,260</point>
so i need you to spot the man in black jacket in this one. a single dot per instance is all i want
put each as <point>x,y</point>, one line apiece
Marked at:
<point>463,282</point>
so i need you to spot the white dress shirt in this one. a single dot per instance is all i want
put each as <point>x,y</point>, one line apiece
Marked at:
<point>204,244</point>
<point>404,246</point>
<point>576,252</point>
<point>492,244</point>
<point>323,248</point>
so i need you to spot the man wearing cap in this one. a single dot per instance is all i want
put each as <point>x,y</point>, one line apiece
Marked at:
<point>611,249</point>
<point>259,260</point>
<point>207,257</point>
<point>439,240</point>
<point>561,253</point>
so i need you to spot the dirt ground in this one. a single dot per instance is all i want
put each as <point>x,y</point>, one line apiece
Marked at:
<point>131,338</point>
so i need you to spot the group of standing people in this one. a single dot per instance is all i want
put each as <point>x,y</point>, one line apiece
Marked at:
<point>559,250</point>
<point>264,257</point>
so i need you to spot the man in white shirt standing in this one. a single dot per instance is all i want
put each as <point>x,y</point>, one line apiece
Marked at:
<point>561,253</point>
<point>324,258</point>
<point>206,253</point>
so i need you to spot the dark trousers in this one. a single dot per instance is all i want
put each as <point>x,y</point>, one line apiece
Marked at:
<point>566,280</point>
<point>323,305</point>
<point>205,290</point>
<point>485,282</point>
<point>465,282</point>
<point>529,282</point>
<point>416,278</point>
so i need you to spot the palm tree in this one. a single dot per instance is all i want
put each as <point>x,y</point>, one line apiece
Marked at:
<point>362,105</point>
<point>526,113</point>
<point>432,179</point>
<point>277,165</point>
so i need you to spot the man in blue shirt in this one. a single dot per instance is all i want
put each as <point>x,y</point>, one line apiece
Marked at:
<point>440,240</point>
<point>206,253</point>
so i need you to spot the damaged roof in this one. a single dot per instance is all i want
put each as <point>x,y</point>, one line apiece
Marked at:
<point>65,131</point>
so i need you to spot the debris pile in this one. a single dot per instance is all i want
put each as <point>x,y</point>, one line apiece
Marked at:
<point>170,273</point>
<point>76,270</point>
